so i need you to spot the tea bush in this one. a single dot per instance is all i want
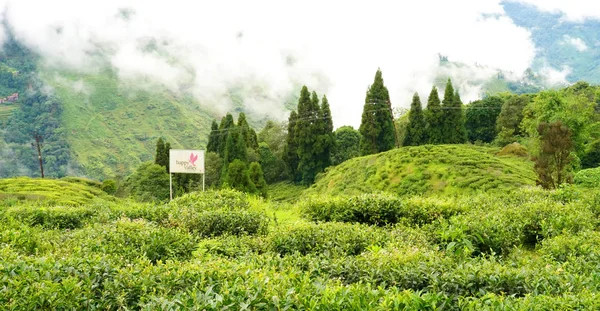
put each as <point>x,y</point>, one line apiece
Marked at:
<point>130,240</point>
<point>379,209</point>
<point>51,217</point>
<point>521,250</point>
<point>588,178</point>
<point>327,238</point>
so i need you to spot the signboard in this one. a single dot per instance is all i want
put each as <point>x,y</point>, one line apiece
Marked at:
<point>186,161</point>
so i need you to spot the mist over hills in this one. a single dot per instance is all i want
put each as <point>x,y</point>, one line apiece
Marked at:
<point>103,90</point>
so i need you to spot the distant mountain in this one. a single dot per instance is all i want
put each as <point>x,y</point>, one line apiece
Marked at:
<point>559,42</point>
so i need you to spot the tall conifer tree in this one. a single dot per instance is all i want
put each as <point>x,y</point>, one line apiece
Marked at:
<point>159,157</point>
<point>377,124</point>
<point>454,121</point>
<point>307,131</point>
<point>227,123</point>
<point>416,130</point>
<point>213,138</point>
<point>434,118</point>
<point>326,138</point>
<point>248,133</point>
<point>290,152</point>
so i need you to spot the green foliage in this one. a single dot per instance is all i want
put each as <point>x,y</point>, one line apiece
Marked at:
<point>523,249</point>
<point>434,117</point>
<point>347,144</point>
<point>274,135</point>
<point>591,158</point>
<point>329,239</point>
<point>63,192</point>
<point>38,114</point>
<point>377,123</point>
<point>588,177</point>
<point>53,217</point>
<point>313,135</point>
<point>285,192</point>
<point>133,239</point>
<point>274,168</point>
<point>258,179</point>
<point>378,209</point>
<point>238,177</point>
<point>514,149</point>
<point>290,153</point>
<point>573,109</point>
<point>248,134</point>
<point>415,132</point>
<point>149,182</point>
<point>481,116</point>
<point>553,165</point>
<point>510,118</point>
<point>213,167</point>
<point>213,138</point>
<point>215,213</point>
<point>427,169</point>
<point>454,131</point>
<point>162,154</point>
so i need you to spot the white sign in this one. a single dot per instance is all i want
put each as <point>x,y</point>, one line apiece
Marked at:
<point>186,161</point>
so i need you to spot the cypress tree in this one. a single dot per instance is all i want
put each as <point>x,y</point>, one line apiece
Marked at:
<point>454,131</point>
<point>258,178</point>
<point>307,131</point>
<point>415,132</point>
<point>166,156</point>
<point>377,124</point>
<point>213,138</point>
<point>460,127</point>
<point>290,150</point>
<point>227,124</point>
<point>248,133</point>
<point>237,177</point>
<point>326,140</point>
<point>235,147</point>
<point>434,117</point>
<point>160,152</point>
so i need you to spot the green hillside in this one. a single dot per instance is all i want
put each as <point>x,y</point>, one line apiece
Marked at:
<point>69,191</point>
<point>111,128</point>
<point>445,169</point>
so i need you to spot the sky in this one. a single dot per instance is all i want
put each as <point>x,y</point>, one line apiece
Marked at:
<point>270,49</point>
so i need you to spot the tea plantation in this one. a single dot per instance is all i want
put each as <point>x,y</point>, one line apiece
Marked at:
<point>521,249</point>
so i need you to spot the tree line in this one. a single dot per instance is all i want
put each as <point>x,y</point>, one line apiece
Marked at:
<point>558,129</point>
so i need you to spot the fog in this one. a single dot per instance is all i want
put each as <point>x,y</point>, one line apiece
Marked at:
<point>269,49</point>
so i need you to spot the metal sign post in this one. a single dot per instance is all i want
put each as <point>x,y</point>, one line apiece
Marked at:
<point>187,162</point>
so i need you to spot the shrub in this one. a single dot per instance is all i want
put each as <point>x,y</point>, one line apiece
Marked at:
<point>219,222</point>
<point>378,209</point>
<point>561,248</point>
<point>109,186</point>
<point>504,225</point>
<point>329,238</point>
<point>135,239</point>
<point>52,217</point>
<point>515,149</point>
<point>588,178</point>
<point>213,199</point>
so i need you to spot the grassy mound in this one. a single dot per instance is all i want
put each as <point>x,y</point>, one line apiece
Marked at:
<point>444,169</point>
<point>52,191</point>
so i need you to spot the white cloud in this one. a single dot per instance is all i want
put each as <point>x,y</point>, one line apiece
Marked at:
<point>577,43</point>
<point>553,77</point>
<point>336,47</point>
<point>573,10</point>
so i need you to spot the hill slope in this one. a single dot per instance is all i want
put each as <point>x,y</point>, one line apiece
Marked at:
<point>69,191</point>
<point>427,169</point>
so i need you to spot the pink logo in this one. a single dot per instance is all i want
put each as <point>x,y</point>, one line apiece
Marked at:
<point>193,158</point>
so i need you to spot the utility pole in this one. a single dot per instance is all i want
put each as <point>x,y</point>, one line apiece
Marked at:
<point>38,145</point>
